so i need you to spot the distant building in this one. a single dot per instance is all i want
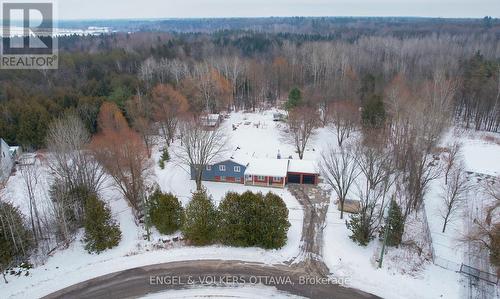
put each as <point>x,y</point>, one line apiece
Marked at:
<point>210,121</point>
<point>6,161</point>
<point>278,116</point>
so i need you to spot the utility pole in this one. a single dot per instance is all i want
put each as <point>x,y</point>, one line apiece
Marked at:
<point>386,232</point>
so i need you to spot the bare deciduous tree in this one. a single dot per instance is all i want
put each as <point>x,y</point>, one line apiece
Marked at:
<point>139,110</point>
<point>340,170</point>
<point>70,160</point>
<point>169,106</point>
<point>453,194</point>
<point>30,174</point>
<point>200,147</point>
<point>345,117</point>
<point>451,155</point>
<point>301,126</point>
<point>124,156</point>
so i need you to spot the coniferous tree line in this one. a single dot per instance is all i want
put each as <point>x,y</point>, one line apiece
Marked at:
<point>241,220</point>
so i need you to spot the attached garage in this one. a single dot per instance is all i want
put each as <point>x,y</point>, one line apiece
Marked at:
<point>302,172</point>
<point>309,180</point>
<point>293,178</point>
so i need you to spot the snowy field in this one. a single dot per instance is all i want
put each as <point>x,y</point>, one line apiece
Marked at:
<point>256,136</point>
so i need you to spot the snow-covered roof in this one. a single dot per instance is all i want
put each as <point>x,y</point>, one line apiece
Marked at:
<point>237,160</point>
<point>302,166</point>
<point>267,167</point>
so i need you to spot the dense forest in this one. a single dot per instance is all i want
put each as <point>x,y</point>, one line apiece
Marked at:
<point>345,59</point>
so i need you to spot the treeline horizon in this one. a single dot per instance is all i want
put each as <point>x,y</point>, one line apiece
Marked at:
<point>289,24</point>
<point>248,70</point>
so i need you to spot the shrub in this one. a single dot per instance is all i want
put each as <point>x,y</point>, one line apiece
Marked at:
<point>101,231</point>
<point>275,223</point>
<point>200,221</point>
<point>165,212</point>
<point>251,219</point>
<point>15,237</point>
<point>240,217</point>
<point>360,227</point>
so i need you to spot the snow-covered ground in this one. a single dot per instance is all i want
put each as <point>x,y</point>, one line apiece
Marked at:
<point>256,136</point>
<point>74,264</point>
<point>226,292</point>
<point>346,259</point>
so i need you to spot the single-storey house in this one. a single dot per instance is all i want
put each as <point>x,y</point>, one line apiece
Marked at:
<point>229,171</point>
<point>274,173</point>
<point>267,173</point>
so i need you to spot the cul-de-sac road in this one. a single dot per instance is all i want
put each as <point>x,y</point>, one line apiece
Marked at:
<point>307,276</point>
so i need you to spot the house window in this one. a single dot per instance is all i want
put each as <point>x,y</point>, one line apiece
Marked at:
<point>261,178</point>
<point>222,167</point>
<point>237,169</point>
<point>277,179</point>
<point>209,167</point>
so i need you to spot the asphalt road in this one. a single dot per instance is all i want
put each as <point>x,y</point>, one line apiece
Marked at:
<point>138,282</point>
<point>306,275</point>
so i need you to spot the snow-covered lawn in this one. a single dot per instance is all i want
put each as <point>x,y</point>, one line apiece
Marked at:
<point>74,264</point>
<point>359,265</point>
<point>256,136</point>
<point>241,292</point>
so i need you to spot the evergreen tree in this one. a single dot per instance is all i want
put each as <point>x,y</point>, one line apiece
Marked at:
<point>274,221</point>
<point>165,157</point>
<point>165,212</point>
<point>359,225</point>
<point>15,237</point>
<point>396,225</point>
<point>200,221</point>
<point>240,219</point>
<point>373,115</point>
<point>294,99</point>
<point>250,219</point>
<point>101,231</point>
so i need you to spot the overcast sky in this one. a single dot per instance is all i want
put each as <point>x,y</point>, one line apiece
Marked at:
<point>107,9</point>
